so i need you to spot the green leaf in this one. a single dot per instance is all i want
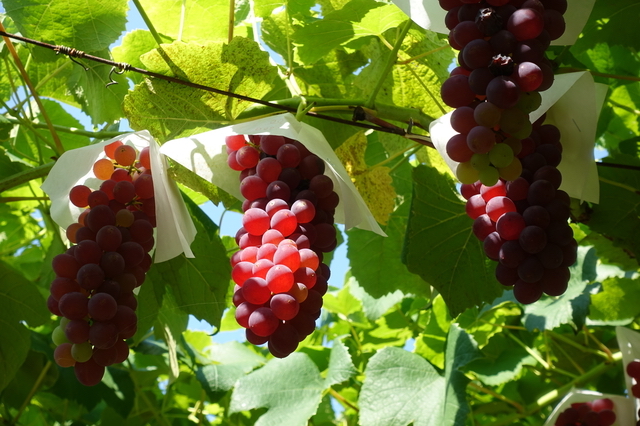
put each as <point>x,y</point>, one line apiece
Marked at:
<point>440,245</point>
<point>88,25</point>
<point>169,110</point>
<point>503,361</point>
<point>334,29</point>
<point>374,259</point>
<point>431,342</point>
<point>234,360</point>
<point>122,395</point>
<point>399,386</point>
<point>149,302</point>
<point>199,285</point>
<point>570,308</point>
<point>191,21</point>
<point>618,301</point>
<point>373,307</point>
<point>484,323</point>
<point>341,367</point>
<point>291,399</point>
<point>135,44</point>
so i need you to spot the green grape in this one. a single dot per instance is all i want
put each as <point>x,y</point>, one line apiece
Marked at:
<point>480,161</point>
<point>501,155</point>
<point>58,336</point>
<point>514,143</point>
<point>487,114</point>
<point>63,322</point>
<point>512,171</point>
<point>513,120</point>
<point>489,176</point>
<point>524,131</point>
<point>81,352</point>
<point>529,101</point>
<point>466,173</point>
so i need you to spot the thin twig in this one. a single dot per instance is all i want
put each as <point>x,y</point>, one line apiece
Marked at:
<point>342,400</point>
<point>148,22</point>
<point>58,144</point>
<point>617,166</point>
<point>33,390</point>
<point>491,392</point>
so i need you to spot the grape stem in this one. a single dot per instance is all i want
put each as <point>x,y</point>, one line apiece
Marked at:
<point>147,21</point>
<point>33,390</point>
<point>491,392</point>
<point>56,139</point>
<point>391,61</point>
<point>24,177</point>
<point>343,400</point>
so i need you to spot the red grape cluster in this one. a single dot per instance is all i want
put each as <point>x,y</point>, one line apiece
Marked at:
<point>633,370</point>
<point>502,68</point>
<point>508,165</point>
<point>95,277</point>
<point>594,413</point>
<point>287,226</point>
<point>523,223</point>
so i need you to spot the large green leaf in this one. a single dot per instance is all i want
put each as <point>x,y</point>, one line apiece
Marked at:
<point>399,386</point>
<point>440,245</point>
<point>188,21</point>
<point>291,399</point>
<point>618,214</point>
<point>135,44</point>
<point>169,110</point>
<point>232,361</point>
<point>341,367</point>
<point>20,301</point>
<point>619,300</point>
<point>88,25</point>
<point>199,285</point>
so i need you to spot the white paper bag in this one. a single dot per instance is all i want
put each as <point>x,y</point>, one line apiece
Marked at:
<point>572,104</point>
<point>205,154</point>
<point>623,407</point>
<point>174,228</point>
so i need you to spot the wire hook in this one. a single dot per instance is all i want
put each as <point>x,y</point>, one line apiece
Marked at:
<point>121,67</point>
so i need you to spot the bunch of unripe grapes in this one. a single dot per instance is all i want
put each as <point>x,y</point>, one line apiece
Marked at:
<point>502,67</point>
<point>594,413</point>
<point>633,370</point>
<point>288,223</point>
<point>109,258</point>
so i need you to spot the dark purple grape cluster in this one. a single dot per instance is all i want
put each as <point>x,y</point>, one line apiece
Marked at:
<point>287,226</point>
<point>523,223</point>
<point>502,68</point>
<point>633,370</point>
<point>95,277</point>
<point>594,413</point>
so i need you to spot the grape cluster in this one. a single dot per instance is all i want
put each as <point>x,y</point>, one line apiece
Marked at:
<point>502,69</point>
<point>523,223</point>
<point>594,413</point>
<point>507,164</point>
<point>95,277</point>
<point>288,224</point>
<point>633,370</point>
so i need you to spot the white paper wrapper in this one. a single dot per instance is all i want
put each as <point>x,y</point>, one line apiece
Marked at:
<point>629,343</point>
<point>429,15</point>
<point>623,407</point>
<point>205,154</point>
<point>572,104</point>
<point>174,231</point>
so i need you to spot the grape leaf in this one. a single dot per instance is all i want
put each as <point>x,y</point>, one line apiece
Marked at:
<point>440,245</point>
<point>618,214</point>
<point>399,385</point>
<point>503,362</point>
<point>87,25</point>
<point>570,308</point>
<point>374,259</point>
<point>149,302</point>
<point>373,307</point>
<point>135,44</point>
<point>199,285</point>
<point>191,21</point>
<point>341,367</point>
<point>169,110</point>
<point>334,29</point>
<point>431,342</point>
<point>611,22</point>
<point>618,301</point>
<point>291,399</point>
<point>233,360</point>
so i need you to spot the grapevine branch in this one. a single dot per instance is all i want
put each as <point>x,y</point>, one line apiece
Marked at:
<point>123,66</point>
